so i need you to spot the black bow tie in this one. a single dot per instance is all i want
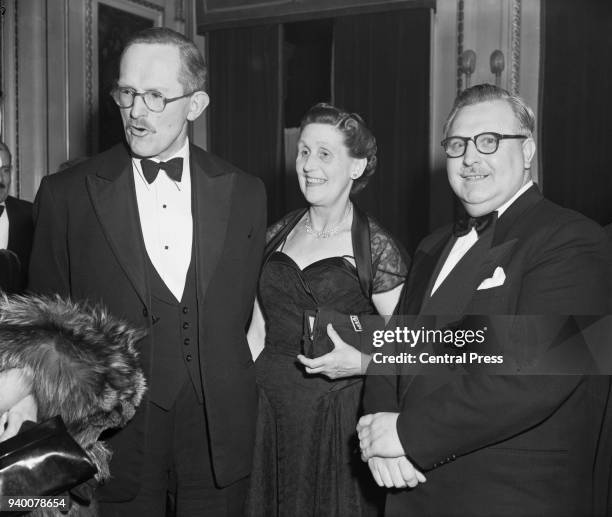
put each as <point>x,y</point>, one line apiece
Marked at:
<point>464,225</point>
<point>1,210</point>
<point>173,168</point>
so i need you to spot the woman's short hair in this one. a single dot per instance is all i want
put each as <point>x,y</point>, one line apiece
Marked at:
<point>358,139</point>
<point>193,70</point>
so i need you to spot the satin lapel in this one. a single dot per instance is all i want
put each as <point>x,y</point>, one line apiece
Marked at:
<point>426,263</point>
<point>449,299</point>
<point>14,226</point>
<point>211,203</point>
<point>423,265</point>
<point>515,212</point>
<point>459,286</point>
<point>453,295</point>
<point>114,200</point>
<point>456,292</point>
<point>446,244</point>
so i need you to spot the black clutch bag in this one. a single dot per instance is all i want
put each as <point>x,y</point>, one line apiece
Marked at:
<point>43,460</point>
<point>354,329</point>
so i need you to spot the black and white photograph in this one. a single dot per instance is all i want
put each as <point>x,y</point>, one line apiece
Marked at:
<point>305,258</point>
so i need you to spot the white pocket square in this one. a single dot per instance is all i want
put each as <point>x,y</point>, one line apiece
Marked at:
<point>498,278</point>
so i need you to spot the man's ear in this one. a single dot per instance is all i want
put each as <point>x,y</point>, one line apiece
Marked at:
<point>197,104</point>
<point>529,149</point>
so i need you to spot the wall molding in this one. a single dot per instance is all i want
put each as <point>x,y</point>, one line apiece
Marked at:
<point>16,170</point>
<point>460,29</point>
<point>179,11</point>
<point>515,48</point>
<point>149,5</point>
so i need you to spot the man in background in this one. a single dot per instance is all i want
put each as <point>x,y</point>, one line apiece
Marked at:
<point>16,225</point>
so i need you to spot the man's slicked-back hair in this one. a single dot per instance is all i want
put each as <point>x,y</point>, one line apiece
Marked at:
<point>489,92</point>
<point>193,70</point>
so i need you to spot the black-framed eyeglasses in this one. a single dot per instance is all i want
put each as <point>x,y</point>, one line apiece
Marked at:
<point>486,143</point>
<point>155,101</point>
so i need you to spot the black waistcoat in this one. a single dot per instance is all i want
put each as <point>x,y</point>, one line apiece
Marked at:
<point>175,353</point>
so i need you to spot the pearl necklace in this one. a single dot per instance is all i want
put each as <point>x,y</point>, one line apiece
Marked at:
<point>326,234</point>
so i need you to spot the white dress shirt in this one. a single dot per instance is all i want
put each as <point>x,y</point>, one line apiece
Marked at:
<point>166,222</point>
<point>4,228</point>
<point>465,242</point>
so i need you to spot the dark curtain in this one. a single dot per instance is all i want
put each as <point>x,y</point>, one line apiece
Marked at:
<point>381,70</point>
<point>245,104</point>
<point>576,105</point>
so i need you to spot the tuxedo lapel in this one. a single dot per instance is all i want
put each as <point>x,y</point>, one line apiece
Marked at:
<point>113,197</point>
<point>211,203</point>
<point>426,262</point>
<point>454,294</point>
<point>440,258</point>
<point>423,269</point>
<point>17,228</point>
<point>514,212</point>
<point>449,301</point>
<point>458,287</point>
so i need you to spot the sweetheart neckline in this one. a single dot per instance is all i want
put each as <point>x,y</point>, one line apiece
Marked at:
<point>343,259</point>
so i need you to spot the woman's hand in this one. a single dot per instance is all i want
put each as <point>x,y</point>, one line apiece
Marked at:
<point>11,420</point>
<point>343,361</point>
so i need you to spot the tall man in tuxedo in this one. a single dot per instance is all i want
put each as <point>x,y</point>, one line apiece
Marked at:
<point>170,238</point>
<point>494,445</point>
<point>16,225</point>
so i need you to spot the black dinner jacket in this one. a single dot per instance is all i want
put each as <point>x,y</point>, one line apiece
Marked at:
<point>21,230</point>
<point>88,245</point>
<point>504,445</point>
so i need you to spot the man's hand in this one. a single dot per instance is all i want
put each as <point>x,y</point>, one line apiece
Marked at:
<point>378,436</point>
<point>11,420</point>
<point>343,361</point>
<point>395,472</point>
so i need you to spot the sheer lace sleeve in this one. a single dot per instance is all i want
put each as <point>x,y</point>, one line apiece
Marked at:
<point>389,261</point>
<point>276,227</point>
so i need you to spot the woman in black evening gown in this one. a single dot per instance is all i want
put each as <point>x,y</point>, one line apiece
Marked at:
<point>305,461</point>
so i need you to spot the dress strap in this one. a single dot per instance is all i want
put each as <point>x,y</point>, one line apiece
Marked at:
<point>281,236</point>
<point>360,234</point>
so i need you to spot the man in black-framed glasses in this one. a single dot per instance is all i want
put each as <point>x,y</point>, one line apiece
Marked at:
<point>486,143</point>
<point>489,147</point>
<point>520,444</point>
<point>169,237</point>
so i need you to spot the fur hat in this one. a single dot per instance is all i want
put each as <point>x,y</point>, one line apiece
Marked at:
<point>82,361</point>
